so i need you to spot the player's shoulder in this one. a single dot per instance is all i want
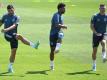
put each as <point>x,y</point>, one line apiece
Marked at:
<point>6,14</point>
<point>17,16</point>
<point>96,14</point>
<point>56,14</point>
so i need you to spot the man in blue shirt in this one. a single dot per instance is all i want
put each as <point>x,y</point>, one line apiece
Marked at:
<point>56,33</point>
<point>11,22</point>
<point>98,27</point>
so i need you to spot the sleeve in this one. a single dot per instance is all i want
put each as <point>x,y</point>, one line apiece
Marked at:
<point>62,20</point>
<point>17,20</point>
<point>93,19</point>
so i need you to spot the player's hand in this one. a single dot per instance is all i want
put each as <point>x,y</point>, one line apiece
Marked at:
<point>65,27</point>
<point>98,34</point>
<point>3,30</point>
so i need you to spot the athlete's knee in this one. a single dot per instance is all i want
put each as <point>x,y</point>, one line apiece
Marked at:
<point>94,54</point>
<point>19,37</point>
<point>95,50</point>
<point>52,50</point>
<point>59,40</point>
<point>13,51</point>
<point>103,43</point>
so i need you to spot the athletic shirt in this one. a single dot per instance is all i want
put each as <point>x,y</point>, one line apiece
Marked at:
<point>56,19</point>
<point>9,20</point>
<point>100,22</point>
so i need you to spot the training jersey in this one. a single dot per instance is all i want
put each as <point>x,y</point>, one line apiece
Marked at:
<point>56,19</point>
<point>9,20</point>
<point>100,23</point>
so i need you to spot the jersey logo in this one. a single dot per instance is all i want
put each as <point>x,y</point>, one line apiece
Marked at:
<point>98,20</point>
<point>5,20</point>
<point>105,19</point>
<point>13,20</point>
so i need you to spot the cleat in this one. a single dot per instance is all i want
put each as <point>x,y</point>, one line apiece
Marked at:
<point>52,68</point>
<point>10,70</point>
<point>37,44</point>
<point>94,68</point>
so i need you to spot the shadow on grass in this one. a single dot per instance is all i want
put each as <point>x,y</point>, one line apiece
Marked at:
<point>10,74</point>
<point>83,72</point>
<point>4,73</point>
<point>38,72</point>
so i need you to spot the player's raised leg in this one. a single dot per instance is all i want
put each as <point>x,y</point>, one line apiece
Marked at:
<point>59,41</point>
<point>27,42</point>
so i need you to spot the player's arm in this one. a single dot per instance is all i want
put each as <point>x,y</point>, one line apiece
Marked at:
<point>62,26</point>
<point>93,21</point>
<point>9,28</point>
<point>93,30</point>
<point>56,20</point>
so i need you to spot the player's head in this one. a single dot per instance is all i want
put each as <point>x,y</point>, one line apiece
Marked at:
<point>10,9</point>
<point>102,8</point>
<point>61,8</point>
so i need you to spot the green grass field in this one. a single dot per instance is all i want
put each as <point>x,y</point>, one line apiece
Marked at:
<point>73,62</point>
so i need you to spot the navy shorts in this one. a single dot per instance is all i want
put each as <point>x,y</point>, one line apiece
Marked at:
<point>53,39</point>
<point>97,40</point>
<point>12,40</point>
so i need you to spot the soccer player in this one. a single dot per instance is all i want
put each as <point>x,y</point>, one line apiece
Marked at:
<point>11,22</point>
<point>98,27</point>
<point>56,33</point>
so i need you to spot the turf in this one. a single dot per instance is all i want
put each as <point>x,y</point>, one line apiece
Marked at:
<point>73,62</point>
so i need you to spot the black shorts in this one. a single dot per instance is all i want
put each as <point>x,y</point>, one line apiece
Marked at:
<point>12,40</point>
<point>53,40</point>
<point>97,40</point>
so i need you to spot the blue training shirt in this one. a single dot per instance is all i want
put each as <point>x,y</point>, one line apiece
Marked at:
<point>56,19</point>
<point>9,20</point>
<point>100,22</point>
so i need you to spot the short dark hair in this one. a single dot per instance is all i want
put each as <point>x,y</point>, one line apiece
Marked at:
<point>102,5</point>
<point>10,6</point>
<point>61,5</point>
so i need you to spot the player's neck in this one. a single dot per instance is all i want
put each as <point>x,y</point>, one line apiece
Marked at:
<point>59,12</point>
<point>10,14</point>
<point>102,13</point>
